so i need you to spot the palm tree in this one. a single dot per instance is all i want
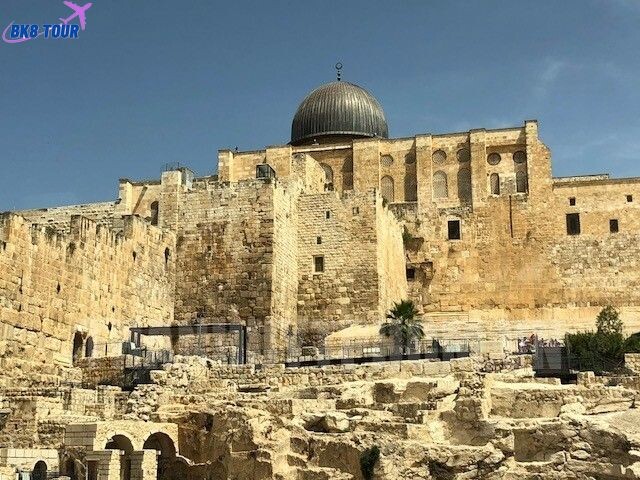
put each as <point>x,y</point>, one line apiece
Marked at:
<point>402,324</point>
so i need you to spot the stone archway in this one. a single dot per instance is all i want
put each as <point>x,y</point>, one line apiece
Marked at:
<point>124,445</point>
<point>163,444</point>
<point>39,471</point>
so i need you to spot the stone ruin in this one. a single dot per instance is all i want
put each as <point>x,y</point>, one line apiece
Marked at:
<point>481,417</point>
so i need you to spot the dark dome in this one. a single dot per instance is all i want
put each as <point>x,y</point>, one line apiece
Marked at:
<point>335,109</point>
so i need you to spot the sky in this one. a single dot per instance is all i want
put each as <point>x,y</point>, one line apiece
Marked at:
<point>156,82</point>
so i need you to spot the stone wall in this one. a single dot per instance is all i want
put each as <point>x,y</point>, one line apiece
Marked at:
<point>59,218</point>
<point>225,254</point>
<point>91,281</point>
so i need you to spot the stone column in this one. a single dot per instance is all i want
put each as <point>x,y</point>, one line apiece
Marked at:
<point>144,465</point>
<point>108,464</point>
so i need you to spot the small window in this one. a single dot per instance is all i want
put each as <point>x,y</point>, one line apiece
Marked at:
<point>613,225</point>
<point>572,201</point>
<point>453,229</point>
<point>318,264</point>
<point>356,210</point>
<point>327,214</point>
<point>493,158</point>
<point>629,198</point>
<point>573,223</point>
<point>494,180</point>
<point>155,210</point>
<point>411,274</point>
<point>319,240</point>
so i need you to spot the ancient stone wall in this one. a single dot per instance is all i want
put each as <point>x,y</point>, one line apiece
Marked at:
<point>91,281</point>
<point>340,233</point>
<point>225,254</point>
<point>59,218</point>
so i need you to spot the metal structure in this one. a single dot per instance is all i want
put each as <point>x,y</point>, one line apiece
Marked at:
<point>199,330</point>
<point>338,109</point>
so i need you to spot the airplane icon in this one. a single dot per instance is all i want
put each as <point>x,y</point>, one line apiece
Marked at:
<point>78,11</point>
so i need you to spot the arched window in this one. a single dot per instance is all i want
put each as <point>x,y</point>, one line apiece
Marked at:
<point>328,176</point>
<point>464,185</point>
<point>440,189</point>
<point>155,211</point>
<point>410,187</point>
<point>88,348</point>
<point>387,189</point>
<point>347,174</point>
<point>521,182</point>
<point>520,165</point>
<point>77,347</point>
<point>494,180</point>
<point>39,471</point>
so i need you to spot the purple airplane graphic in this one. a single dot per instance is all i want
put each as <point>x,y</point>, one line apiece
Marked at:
<point>78,11</point>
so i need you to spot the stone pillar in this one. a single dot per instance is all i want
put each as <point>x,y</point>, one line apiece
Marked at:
<point>225,166</point>
<point>171,187</point>
<point>424,173</point>
<point>366,165</point>
<point>479,180</point>
<point>144,465</point>
<point>108,464</point>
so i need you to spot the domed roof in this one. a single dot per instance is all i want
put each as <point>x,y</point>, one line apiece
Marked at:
<point>338,108</point>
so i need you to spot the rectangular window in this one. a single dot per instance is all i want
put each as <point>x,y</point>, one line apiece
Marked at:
<point>629,198</point>
<point>318,264</point>
<point>453,227</point>
<point>319,240</point>
<point>613,225</point>
<point>573,223</point>
<point>356,210</point>
<point>572,201</point>
<point>411,274</point>
<point>327,214</point>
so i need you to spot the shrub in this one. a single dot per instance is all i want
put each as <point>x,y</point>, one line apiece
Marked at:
<point>368,461</point>
<point>596,351</point>
<point>608,321</point>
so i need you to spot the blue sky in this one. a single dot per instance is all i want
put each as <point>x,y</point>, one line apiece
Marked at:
<point>151,82</point>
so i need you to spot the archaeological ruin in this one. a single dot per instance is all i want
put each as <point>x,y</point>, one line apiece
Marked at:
<point>228,326</point>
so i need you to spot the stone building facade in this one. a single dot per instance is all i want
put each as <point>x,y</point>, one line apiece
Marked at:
<point>302,240</point>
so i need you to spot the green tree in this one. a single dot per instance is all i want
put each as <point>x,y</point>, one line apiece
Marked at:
<point>403,325</point>
<point>608,321</point>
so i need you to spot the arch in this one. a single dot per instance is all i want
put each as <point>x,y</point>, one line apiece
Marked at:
<point>77,347</point>
<point>328,176</point>
<point>439,156</point>
<point>494,181</point>
<point>410,187</point>
<point>123,444</point>
<point>39,471</point>
<point>88,348</point>
<point>347,174</point>
<point>387,189</point>
<point>386,160</point>
<point>521,182</point>
<point>163,444</point>
<point>440,188</point>
<point>155,212</point>
<point>464,185</point>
